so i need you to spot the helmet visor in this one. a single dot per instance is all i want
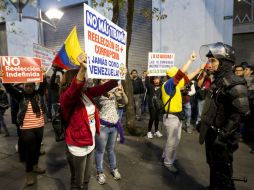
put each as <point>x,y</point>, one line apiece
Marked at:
<point>216,50</point>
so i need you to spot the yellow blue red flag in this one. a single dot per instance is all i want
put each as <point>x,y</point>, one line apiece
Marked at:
<point>67,55</point>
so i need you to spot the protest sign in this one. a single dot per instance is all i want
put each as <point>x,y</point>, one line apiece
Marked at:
<point>20,69</point>
<point>158,63</point>
<point>45,54</point>
<point>105,45</point>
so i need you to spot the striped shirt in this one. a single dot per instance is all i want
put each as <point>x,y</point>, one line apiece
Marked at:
<point>30,120</point>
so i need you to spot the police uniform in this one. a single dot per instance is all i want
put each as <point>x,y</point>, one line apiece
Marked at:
<point>224,106</point>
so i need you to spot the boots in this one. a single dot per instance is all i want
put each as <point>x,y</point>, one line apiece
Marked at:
<point>30,179</point>
<point>38,170</point>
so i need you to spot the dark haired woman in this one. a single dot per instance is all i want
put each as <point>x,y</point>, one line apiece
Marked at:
<point>81,115</point>
<point>154,93</point>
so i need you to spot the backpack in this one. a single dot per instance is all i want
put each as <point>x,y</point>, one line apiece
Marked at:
<point>59,125</point>
<point>4,102</point>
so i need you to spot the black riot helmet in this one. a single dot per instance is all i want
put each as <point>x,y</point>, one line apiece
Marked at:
<point>217,50</point>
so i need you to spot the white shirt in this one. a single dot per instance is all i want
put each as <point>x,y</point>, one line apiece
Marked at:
<point>85,150</point>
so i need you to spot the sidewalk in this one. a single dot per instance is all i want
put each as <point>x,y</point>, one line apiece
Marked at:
<point>138,160</point>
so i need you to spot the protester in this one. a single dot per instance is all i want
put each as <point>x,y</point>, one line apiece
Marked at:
<point>81,118</point>
<point>249,78</point>
<point>30,120</point>
<point>204,84</point>
<point>4,105</point>
<point>187,92</point>
<point>138,91</point>
<point>144,103</point>
<point>53,93</point>
<point>122,100</point>
<point>171,96</point>
<point>110,125</point>
<point>224,106</point>
<point>154,94</point>
<point>239,71</point>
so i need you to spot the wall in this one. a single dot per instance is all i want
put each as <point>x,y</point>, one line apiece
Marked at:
<point>244,46</point>
<point>190,24</point>
<point>20,35</point>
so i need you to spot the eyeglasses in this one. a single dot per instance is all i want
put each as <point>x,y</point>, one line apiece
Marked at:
<point>238,70</point>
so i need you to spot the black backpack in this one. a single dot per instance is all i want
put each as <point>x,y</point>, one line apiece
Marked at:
<point>4,102</point>
<point>59,124</point>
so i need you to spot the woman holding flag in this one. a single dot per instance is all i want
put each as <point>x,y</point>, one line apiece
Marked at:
<point>81,116</point>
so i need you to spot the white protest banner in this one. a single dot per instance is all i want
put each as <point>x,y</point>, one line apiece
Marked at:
<point>158,63</point>
<point>105,45</point>
<point>45,54</point>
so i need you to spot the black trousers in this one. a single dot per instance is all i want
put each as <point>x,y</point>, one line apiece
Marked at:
<point>220,160</point>
<point>31,143</point>
<point>81,168</point>
<point>154,118</point>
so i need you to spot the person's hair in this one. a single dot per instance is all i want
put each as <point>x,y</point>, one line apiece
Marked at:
<point>251,68</point>
<point>134,70</point>
<point>67,79</point>
<point>152,79</point>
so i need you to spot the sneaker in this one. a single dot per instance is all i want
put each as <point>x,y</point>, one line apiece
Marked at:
<point>158,134</point>
<point>101,178</point>
<point>116,174</point>
<point>149,135</point>
<point>30,180</point>
<point>172,169</point>
<point>38,170</point>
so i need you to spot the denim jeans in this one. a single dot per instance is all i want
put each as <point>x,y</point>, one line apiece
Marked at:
<point>120,113</point>
<point>2,124</point>
<point>187,111</point>
<point>106,140</point>
<point>81,167</point>
<point>200,108</point>
<point>137,103</point>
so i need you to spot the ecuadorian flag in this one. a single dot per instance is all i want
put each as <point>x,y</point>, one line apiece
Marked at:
<point>67,55</point>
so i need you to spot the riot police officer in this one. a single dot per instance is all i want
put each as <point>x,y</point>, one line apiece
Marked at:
<point>224,106</point>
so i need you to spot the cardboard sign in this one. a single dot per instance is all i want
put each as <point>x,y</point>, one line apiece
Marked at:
<point>158,63</point>
<point>105,45</point>
<point>20,69</point>
<point>46,55</point>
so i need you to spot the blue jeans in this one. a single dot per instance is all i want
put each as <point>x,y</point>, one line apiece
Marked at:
<point>120,113</point>
<point>187,111</point>
<point>106,140</point>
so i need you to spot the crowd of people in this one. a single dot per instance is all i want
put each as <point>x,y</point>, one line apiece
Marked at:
<point>216,99</point>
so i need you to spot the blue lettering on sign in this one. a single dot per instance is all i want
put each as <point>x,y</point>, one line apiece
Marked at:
<point>95,70</point>
<point>102,26</point>
<point>91,20</point>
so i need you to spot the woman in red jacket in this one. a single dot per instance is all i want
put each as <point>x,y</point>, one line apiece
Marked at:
<point>79,111</point>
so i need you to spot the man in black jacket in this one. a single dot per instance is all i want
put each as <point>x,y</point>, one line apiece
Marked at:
<point>138,91</point>
<point>225,104</point>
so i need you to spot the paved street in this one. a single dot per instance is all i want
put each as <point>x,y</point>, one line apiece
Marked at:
<point>138,160</point>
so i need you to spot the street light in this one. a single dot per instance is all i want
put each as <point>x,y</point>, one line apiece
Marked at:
<point>53,15</point>
<point>19,5</point>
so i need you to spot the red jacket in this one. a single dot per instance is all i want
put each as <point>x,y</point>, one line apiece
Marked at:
<point>78,132</point>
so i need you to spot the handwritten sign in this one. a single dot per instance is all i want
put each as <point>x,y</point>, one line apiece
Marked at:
<point>158,63</point>
<point>45,54</point>
<point>20,69</point>
<point>105,45</point>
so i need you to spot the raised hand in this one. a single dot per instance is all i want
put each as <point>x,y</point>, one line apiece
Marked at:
<point>193,56</point>
<point>82,59</point>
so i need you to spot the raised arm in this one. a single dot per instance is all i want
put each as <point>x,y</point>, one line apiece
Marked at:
<point>14,92</point>
<point>102,89</point>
